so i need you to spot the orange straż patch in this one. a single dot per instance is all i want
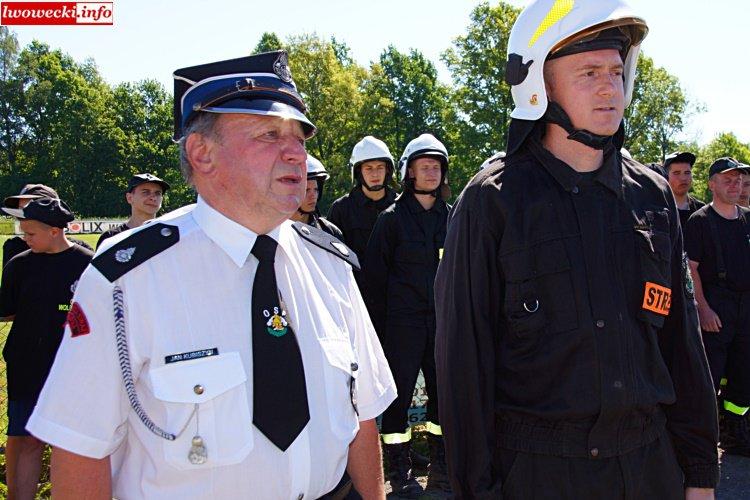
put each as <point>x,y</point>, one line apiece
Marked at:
<point>657,298</point>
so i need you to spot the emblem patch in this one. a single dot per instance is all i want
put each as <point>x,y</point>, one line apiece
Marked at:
<point>277,323</point>
<point>77,321</point>
<point>123,256</point>
<point>657,298</point>
<point>687,277</point>
<point>281,68</point>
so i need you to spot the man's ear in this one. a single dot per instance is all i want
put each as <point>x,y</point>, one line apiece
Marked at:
<point>198,148</point>
<point>549,79</point>
<point>129,197</point>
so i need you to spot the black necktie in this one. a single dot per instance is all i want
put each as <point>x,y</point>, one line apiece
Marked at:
<point>280,408</point>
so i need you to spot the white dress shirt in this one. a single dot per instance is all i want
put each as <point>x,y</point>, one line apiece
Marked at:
<point>196,296</point>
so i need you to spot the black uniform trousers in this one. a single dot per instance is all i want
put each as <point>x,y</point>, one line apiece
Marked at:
<point>648,472</point>
<point>407,349</point>
<point>728,350</point>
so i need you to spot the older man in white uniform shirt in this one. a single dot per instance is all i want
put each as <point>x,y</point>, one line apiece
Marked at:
<point>155,390</point>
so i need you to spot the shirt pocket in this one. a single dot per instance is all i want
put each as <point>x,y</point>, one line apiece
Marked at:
<point>341,371</point>
<point>205,397</point>
<point>654,246</point>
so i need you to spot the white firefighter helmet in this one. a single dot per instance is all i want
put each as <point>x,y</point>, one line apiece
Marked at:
<point>315,169</point>
<point>547,26</point>
<point>370,149</point>
<point>424,145</point>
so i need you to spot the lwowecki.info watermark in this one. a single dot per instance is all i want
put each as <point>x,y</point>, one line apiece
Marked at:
<point>56,13</point>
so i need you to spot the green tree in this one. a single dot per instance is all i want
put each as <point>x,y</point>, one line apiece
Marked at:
<point>70,139</point>
<point>144,114</point>
<point>479,126</point>
<point>10,90</point>
<point>657,114</point>
<point>331,90</point>
<point>268,42</point>
<point>724,144</point>
<point>403,99</point>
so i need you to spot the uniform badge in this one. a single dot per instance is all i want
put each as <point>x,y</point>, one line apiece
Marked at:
<point>198,454</point>
<point>657,298</point>
<point>281,68</point>
<point>124,255</point>
<point>277,323</point>
<point>77,321</point>
<point>687,277</point>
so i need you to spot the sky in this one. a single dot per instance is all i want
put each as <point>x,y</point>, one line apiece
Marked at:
<point>704,44</point>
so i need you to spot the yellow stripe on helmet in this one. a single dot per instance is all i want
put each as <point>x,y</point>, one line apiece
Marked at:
<point>560,9</point>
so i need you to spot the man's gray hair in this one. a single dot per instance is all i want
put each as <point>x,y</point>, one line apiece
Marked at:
<point>205,124</point>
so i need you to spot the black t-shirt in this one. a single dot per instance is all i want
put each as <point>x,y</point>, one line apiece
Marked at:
<point>734,236</point>
<point>111,232</point>
<point>37,288</point>
<point>693,205</point>
<point>14,246</point>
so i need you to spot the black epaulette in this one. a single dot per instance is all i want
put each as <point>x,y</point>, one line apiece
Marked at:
<point>135,250</point>
<point>329,243</point>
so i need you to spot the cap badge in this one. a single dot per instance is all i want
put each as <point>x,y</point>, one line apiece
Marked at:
<point>123,256</point>
<point>534,100</point>
<point>281,68</point>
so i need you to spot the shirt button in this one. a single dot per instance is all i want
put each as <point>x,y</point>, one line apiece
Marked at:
<point>618,384</point>
<point>600,323</point>
<point>575,189</point>
<point>198,389</point>
<point>594,452</point>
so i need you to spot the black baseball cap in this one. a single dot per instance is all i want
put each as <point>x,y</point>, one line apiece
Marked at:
<point>726,164</point>
<point>679,157</point>
<point>30,192</point>
<point>51,211</point>
<point>139,179</point>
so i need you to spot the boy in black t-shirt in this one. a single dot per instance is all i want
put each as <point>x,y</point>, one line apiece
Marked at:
<point>144,195</point>
<point>14,246</point>
<point>717,241</point>
<point>36,294</point>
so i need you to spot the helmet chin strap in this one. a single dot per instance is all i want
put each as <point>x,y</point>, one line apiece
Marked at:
<point>377,187</point>
<point>555,114</point>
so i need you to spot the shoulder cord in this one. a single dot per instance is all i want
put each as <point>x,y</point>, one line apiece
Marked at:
<point>127,372</point>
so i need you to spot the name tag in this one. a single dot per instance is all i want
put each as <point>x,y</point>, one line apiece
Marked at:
<point>657,298</point>
<point>187,356</point>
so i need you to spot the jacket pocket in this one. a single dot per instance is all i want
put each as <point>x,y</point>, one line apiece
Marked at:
<point>654,248</point>
<point>539,292</point>
<point>205,397</point>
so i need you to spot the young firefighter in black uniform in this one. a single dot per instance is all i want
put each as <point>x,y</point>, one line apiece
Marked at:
<point>568,353</point>
<point>36,292</point>
<point>14,246</point>
<point>402,258</point>
<point>144,195</point>
<point>308,212</point>
<point>355,213</point>
<point>718,244</point>
<point>678,168</point>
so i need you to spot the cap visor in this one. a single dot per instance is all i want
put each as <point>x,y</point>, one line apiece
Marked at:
<point>12,201</point>
<point>265,107</point>
<point>15,212</point>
